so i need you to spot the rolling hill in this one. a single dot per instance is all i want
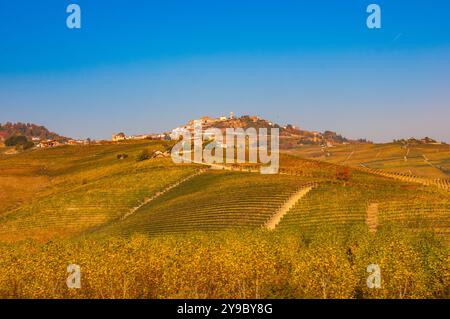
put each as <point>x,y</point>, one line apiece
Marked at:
<point>427,160</point>
<point>77,190</point>
<point>155,229</point>
<point>28,130</point>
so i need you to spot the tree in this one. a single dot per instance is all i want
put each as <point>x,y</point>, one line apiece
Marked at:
<point>343,174</point>
<point>16,140</point>
<point>25,146</point>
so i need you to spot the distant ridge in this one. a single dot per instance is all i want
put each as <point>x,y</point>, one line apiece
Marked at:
<point>29,130</point>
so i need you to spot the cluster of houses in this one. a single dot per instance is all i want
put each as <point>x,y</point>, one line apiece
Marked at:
<point>425,140</point>
<point>47,143</point>
<point>206,123</point>
<point>122,137</point>
<point>53,143</point>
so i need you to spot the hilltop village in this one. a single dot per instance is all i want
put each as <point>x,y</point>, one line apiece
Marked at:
<point>25,135</point>
<point>290,135</point>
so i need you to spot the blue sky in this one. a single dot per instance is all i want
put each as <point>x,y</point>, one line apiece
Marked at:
<point>148,66</point>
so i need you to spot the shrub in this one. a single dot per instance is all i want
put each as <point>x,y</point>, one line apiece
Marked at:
<point>144,155</point>
<point>343,174</point>
<point>16,140</point>
<point>25,146</point>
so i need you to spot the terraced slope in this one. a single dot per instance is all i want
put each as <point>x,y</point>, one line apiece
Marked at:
<point>63,214</point>
<point>417,214</point>
<point>338,206</point>
<point>212,201</point>
<point>330,205</point>
<point>84,188</point>
<point>287,206</point>
<point>88,191</point>
<point>438,182</point>
<point>425,160</point>
<point>147,200</point>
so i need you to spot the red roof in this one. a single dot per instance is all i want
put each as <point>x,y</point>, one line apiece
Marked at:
<point>3,134</point>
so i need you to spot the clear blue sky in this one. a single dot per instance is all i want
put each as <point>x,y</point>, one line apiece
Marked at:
<point>148,66</point>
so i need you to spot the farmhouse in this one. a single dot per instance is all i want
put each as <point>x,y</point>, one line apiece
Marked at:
<point>77,142</point>
<point>118,137</point>
<point>138,137</point>
<point>48,143</point>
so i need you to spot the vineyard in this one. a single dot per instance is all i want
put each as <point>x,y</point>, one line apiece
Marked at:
<point>165,230</point>
<point>91,190</point>
<point>430,161</point>
<point>230,264</point>
<point>213,201</point>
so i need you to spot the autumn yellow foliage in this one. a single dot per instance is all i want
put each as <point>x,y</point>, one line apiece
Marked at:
<point>231,264</point>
